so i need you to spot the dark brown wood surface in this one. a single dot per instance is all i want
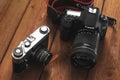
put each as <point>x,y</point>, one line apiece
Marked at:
<point>18,18</point>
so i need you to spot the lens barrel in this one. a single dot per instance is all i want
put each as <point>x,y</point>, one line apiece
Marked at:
<point>42,56</point>
<point>84,52</point>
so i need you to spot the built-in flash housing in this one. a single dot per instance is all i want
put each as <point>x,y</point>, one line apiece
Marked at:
<point>74,13</point>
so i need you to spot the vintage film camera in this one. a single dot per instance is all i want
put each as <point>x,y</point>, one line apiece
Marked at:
<point>33,48</point>
<point>86,28</point>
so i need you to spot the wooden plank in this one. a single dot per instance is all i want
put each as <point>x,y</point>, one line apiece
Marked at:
<point>61,68</point>
<point>98,3</point>
<point>11,12</point>
<point>34,17</point>
<point>3,7</point>
<point>108,65</point>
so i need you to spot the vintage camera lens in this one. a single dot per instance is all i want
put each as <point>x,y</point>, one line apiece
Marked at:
<point>42,56</point>
<point>84,50</point>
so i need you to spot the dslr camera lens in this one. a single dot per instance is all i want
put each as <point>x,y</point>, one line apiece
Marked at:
<point>84,50</point>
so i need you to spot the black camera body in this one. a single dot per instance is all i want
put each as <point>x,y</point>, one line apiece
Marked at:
<point>33,48</point>
<point>86,28</point>
<point>55,8</point>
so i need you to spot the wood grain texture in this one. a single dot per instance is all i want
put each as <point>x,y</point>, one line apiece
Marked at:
<point>107,68</point>
<point>3,7</point>
<point>98,3</point>
<point>108,65</point>
<point>11,12</point>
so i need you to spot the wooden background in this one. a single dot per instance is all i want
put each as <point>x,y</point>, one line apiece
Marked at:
<point>18,18</point>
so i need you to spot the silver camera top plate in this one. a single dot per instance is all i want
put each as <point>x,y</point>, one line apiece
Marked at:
<point>32,40</point>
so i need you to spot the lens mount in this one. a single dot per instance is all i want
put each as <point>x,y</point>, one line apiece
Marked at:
<point>43,57</point>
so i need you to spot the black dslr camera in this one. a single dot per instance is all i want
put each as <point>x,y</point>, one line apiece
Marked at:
<point>33,48</point>
<point>87,28</point>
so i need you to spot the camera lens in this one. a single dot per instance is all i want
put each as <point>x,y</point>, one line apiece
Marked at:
<point>84,50</point>
<point>42,56</point>
<point>83,57</point>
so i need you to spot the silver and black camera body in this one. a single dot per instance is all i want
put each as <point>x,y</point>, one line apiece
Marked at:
<point>86,28</point>
<point>33,48</point>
